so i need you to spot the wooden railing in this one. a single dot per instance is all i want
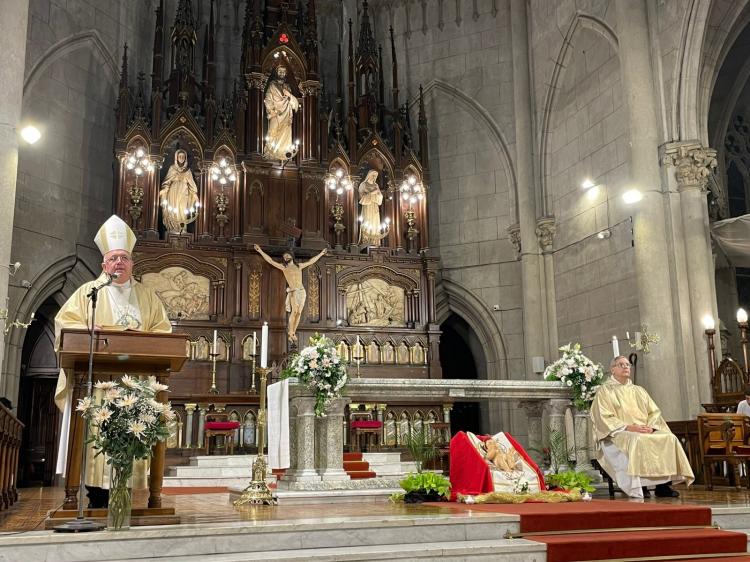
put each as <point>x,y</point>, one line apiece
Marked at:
<point>11,431</point>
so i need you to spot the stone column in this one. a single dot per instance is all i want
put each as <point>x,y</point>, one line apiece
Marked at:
<point>13,46</point>
<point>330,442</point>
<point>534,409</point>
<point>545,231</point>
<point>556,408</point>
<point>202,409</point>
<point>304,446</point>
<point>533,329</point>
<point>447,419</point>
<point>691,165</point>
<point>583,438</point>
<point>190,410</point>
<point>379,412</point>
<point>660,371</point>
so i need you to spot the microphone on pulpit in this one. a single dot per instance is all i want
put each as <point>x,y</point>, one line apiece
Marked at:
<point>111,278</point>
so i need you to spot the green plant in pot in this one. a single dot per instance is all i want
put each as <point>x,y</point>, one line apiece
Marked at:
<point>422,486</point>
<point>562,472</point>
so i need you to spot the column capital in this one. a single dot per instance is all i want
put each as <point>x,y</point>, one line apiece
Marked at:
<point>190,408</point>
<point>514,235</point>
<point>256,80</point>
<point>692,162</point>
<point>558,406</point>
<point>545,231</point>
<point>310,87</point>
<point>532,408</point>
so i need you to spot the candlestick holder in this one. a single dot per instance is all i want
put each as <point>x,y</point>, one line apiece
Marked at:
<point>743,341</point>
<point>358,356</point>
<point>254,356</point>
<point>715,384</point>
<point>257,492</point>
<point>213,389</point>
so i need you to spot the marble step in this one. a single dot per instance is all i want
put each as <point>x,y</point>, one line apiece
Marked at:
<point>210,481</point>
<point>263,538</point>
<point>209,471</point>
<point>222,460</point>
<point>501,550</point>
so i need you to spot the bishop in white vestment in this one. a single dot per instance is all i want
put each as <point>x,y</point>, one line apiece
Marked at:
<point>125,304</point>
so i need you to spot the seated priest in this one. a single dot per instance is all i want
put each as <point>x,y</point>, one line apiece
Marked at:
<point>634,443</point>
<point>123,304</point>
<point>744,406</point>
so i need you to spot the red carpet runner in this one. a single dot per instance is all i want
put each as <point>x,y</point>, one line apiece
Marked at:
<point>356,467</point>
<point>615,541</point>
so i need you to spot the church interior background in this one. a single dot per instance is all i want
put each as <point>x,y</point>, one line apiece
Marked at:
<point>551,172</point>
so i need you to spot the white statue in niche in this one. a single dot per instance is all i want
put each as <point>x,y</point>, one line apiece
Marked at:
<point>179,194</point>
<point>280,107</point>
<point>371,198</point>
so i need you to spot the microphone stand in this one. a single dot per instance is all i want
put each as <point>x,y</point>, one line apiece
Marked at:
<point>80,524</point>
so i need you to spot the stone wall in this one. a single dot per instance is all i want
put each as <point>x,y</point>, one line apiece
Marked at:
<point>582,132</point>
<point>463,60</point>
<point>65,181</point>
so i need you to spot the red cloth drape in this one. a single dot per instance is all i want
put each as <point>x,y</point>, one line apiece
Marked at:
<point>470,474</point>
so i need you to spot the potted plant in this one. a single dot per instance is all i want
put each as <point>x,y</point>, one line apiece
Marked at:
<point>321,369</point>
<point>561,470</point>
<point>422,486</point>
<point>126,425</point>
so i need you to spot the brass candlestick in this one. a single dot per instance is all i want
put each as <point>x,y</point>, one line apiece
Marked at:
<point>257,492</point>
<point>743,341</point>
<point>358,356</point>
<point>712,358</point>
<point>213,389</point>
<point>254,355</point>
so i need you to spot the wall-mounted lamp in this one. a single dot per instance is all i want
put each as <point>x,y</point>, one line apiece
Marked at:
<point>604,234</point>
<point>30,134</point>
<point>632,196</point>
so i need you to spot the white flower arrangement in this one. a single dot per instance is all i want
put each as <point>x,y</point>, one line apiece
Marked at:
<point>321,369</point>
<point>578,372</point>
<point>129,421</point>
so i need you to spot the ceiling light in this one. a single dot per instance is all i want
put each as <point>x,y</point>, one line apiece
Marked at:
<point>632,196</point>
<point>30,134</point>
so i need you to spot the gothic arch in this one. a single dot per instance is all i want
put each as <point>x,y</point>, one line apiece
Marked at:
<point>89,40</point>
<point>58,281</point>
<point>579,20</point>
<point>453,297</point>
<point>709,44</point>
<point>483,116</point>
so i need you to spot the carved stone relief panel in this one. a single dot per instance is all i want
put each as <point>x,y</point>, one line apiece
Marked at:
<point>181,291</point>
<point>374,302</point>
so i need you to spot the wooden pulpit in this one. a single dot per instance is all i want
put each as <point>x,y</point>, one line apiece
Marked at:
<point>117,353</point>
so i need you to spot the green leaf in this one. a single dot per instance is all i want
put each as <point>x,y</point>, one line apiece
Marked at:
<point>426,481</point>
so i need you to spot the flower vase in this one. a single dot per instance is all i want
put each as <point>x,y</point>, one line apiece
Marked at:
<point>120,497</point>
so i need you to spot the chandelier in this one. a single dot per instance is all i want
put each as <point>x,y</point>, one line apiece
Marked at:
<point>338,182</point>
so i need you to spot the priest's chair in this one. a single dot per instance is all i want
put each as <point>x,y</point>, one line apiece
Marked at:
<point>220,425</point>
<point>724,438</point>
<point>364,429</point>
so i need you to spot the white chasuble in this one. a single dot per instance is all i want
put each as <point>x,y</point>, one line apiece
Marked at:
<point>633,459</point>
<point>129,306</point>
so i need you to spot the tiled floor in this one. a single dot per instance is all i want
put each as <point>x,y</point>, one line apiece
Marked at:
<point>34,503</point>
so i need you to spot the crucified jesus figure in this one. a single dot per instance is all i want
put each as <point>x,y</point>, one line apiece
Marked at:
<point>295,291</point>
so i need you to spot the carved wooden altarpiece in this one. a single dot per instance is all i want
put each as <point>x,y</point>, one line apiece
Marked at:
<point>208,274</point>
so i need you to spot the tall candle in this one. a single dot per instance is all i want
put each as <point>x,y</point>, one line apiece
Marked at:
<point>264,346</point>
<point>255,343</point>
<point>615,346</point>
<point>214,348</point>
